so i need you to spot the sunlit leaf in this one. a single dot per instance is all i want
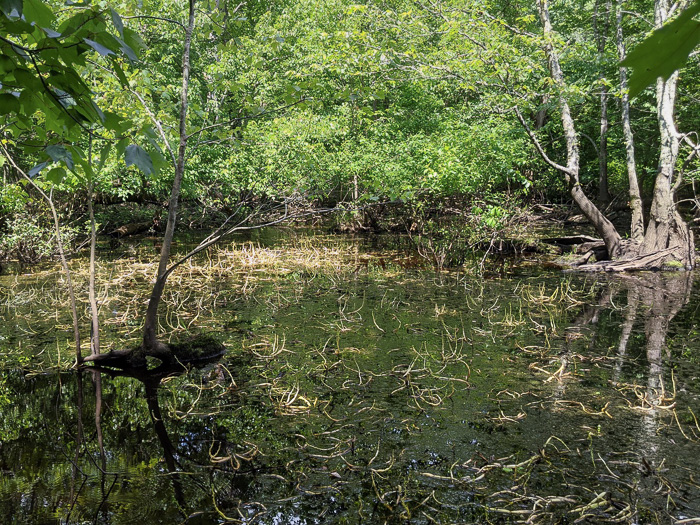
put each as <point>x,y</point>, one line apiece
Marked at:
<point>37,11</point>
<point>117,21</point>
<point>56,175</point>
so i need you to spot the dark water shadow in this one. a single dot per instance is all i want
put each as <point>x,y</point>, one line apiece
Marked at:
<point>152,380</point>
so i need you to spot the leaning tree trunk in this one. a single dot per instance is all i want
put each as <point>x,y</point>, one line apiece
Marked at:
<point>151,345</point>
<point>603,226</point>
<point>667,233</point>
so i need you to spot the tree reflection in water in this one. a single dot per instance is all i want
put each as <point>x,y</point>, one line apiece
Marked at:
<point>366,451</point>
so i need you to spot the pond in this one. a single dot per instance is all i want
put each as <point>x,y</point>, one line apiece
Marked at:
<point>359,386</point>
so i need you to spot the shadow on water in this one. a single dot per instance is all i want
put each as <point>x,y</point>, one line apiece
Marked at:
<point>384,400</point>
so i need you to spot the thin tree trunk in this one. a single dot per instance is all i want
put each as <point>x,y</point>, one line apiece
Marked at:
<point>635,202</point>
<point>603,189</point>
<point>61,254</point>
<point>151,345</point>
<point>95,322</point>
<point>601,36</point>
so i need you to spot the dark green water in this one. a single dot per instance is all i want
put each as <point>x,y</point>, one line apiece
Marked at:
<point>382,393</point>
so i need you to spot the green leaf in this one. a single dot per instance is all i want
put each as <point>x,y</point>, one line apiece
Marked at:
<point>133,40</point>
<point>664,51</point>
<point>21,52</point>
<point>121,145</point>
<point>6,64</point>
<point>58,153</point>
<point>104,155</point>
<point>37,169</point>
<point>117,21</point>
<point>11,8</point>
<point>120,73</point>
<point>134,155</point>
<point>37,11</point>
<point>56,175</point>
<point>9,104</point>
<point>102,50</point>
<point>50,32</point>
<point>128,52</point>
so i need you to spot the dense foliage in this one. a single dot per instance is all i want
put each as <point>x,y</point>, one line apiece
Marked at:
<point>332,100</point>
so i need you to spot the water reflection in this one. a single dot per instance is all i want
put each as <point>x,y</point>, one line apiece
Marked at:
<point>151,380</point>
<point>663,296</point>
<point>392,401</point>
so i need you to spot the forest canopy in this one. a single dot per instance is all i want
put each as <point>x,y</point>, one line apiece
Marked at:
<point>336,102</point>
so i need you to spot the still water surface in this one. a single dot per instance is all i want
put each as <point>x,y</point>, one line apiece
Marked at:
<point>358,388</point>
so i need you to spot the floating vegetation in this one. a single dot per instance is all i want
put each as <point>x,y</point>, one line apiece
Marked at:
<point>370,395</point>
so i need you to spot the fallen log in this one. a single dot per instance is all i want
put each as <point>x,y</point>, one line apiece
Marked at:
<point>132,228</point>
<point>570,240</point>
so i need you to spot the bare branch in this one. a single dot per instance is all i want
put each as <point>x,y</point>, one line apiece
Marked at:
<point>535,141</point>
<point>157,124</point>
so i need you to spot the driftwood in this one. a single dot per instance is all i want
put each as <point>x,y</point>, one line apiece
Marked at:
<point>632,260</point>
<point>653,261</point>
<point>571,240</point>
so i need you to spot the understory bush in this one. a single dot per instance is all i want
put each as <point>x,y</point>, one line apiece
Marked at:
<point>29,239</point>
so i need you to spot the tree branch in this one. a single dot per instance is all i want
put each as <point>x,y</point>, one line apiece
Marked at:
<point>535,141</point>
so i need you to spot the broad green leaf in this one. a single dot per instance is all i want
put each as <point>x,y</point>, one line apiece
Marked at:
<point>11,8</point>
<point>104,155</point>
<point>102,50</point>
<point>9,104</point>
<point>84,164</point>
<point>6,64</point>
<point>133,40</point>
<point>37,11</point>
<point>64,99</point>
<point>59,153</point>
<point>27,79</point>
<point>664,51</point>
<point>50,32</point>
<point>97,110</point>
<point>21,52</point>
<point>56,175</point>
<point>120,73</point>
<point>117,21</point>
<point>128,52</point>
<point>134,155</point>
<point>121,145</point>
<point>37,169</point>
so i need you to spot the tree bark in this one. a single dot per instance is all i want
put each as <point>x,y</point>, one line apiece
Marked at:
<point>666,229</point>
<point>603,189</point>
<point>601,36</point>
<point>635,202</point>
<point>668,241</point>
<point>92,297</point>
<point>602,225</point>
<point>151,345</point>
